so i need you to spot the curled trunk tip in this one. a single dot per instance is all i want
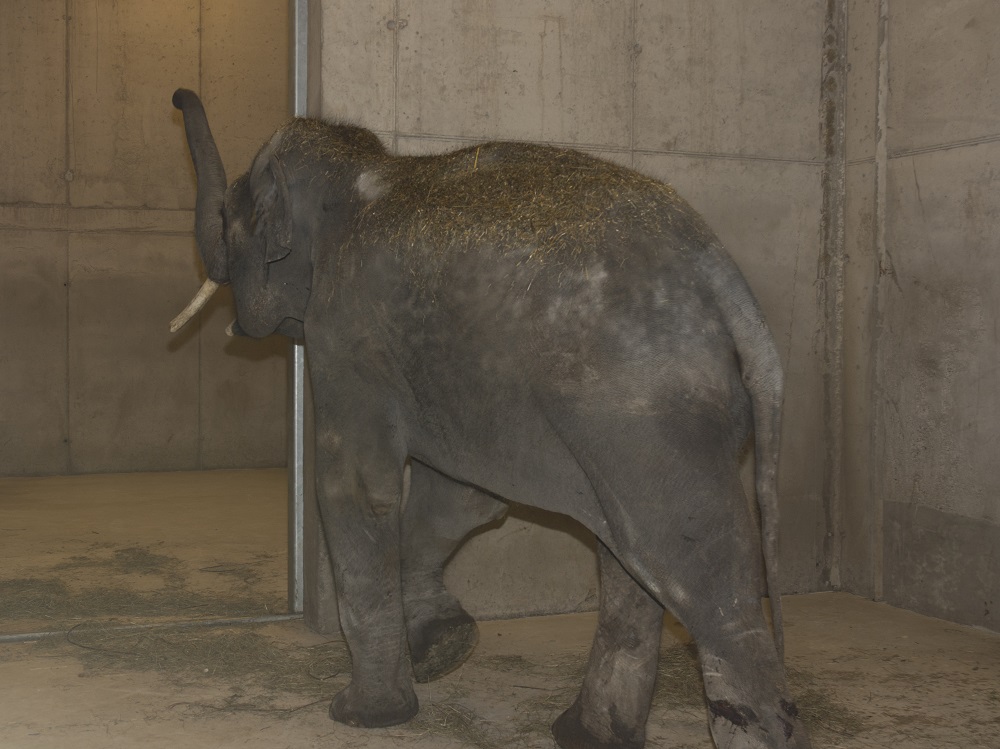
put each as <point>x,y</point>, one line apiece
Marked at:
<point>184,97</point>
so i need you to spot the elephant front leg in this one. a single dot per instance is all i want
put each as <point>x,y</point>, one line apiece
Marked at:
<point>439,514</point>
<point>360,510</point>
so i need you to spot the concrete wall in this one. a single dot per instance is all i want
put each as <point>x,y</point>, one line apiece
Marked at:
<point>845,151</point>
<point>924,204</point>
<point>721,99</point>
<point>96,243</point>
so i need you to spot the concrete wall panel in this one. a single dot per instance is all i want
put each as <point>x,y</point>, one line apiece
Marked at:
<point>859,516</point>
<point>359,63</point>
<point>942,564</point>
<point>521,69</point>
<point>862,80</point>
<point>94,164</point>
<point>133,389</point>
<point>32,94</point>
<point>944,72</point>
<point>534,563</point>
<point>244,75</point>
<point>243,394</point>
<point>723,77</point>
<point>919,515</point>
<point>125,60</point>
<point>940,350</point>
<point>33,427</point>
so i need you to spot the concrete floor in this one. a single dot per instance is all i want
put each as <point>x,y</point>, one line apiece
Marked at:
<point>87,556</point>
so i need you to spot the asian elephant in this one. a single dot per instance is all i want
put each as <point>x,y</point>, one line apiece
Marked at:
<point>529,323</point>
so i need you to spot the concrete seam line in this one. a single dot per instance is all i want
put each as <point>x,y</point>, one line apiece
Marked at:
<point>182,624</point>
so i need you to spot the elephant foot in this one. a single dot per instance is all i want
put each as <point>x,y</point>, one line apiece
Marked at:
<point>740,727</point>
<point>353,708</point>
<point>570,733</point>
<point>440,646</point>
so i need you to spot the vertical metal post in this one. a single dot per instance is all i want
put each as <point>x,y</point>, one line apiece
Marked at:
<point>299,101</point>
<point>299,88</point>
<point>296,474</point>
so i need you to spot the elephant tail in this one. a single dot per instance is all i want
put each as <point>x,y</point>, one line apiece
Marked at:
<point>761,371</point>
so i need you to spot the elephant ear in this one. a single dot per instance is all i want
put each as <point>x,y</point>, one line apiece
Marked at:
<point>272,209</point>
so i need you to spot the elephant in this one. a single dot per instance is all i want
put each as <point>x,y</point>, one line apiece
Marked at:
<point>525,323</point>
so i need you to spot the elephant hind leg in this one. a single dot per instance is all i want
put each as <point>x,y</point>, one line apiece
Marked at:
<point>438,516</point>
<point>613,705</point>
<point>748,702</point>
<point>706,570</point>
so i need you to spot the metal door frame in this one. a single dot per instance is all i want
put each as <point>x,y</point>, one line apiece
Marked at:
<point>299,105</point>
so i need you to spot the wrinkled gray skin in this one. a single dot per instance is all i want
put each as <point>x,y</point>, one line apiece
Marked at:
<point>613,376</point>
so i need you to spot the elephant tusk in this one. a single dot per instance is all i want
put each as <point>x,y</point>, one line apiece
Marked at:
<point>229,329</point>
<point>200,299</point>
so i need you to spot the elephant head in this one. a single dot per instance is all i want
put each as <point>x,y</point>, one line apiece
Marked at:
<point>257,234</point>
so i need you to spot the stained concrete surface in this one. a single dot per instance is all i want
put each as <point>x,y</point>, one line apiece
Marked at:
<point>144,544</point>
<point>141,547</point>
<point>920,510</point>
<point>863,674</point>
<point>96,236</point>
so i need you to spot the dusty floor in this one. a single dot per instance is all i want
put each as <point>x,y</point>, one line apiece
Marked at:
<point>87,555</point>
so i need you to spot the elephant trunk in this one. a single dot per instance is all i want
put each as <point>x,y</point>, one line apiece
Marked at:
<point>211,185</point>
